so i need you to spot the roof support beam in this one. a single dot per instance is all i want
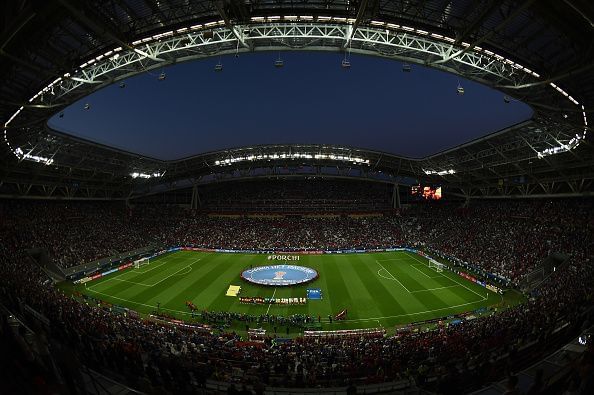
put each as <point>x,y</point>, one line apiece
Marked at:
<point>103,31</point>
<point>486,11</point>
<point>353,29</point>
<point>484,38</point>
<point>564,74</point>
<point>236,31</point>
<point>26,64</point>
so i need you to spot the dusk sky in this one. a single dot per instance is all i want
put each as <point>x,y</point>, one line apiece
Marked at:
<point>311,99</point>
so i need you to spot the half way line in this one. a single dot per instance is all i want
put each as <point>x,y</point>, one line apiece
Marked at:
<point>476,293</point>
<point>393,278</point>
<point>270,304</point>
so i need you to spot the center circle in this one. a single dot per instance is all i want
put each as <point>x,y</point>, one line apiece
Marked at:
<point>279,275</point>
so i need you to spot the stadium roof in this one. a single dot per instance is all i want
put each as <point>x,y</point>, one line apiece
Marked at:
<point>54,53</point>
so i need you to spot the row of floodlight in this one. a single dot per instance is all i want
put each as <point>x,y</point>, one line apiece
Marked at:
<point>291,155</point>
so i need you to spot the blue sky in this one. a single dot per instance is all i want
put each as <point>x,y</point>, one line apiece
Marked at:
<point>372,105</point>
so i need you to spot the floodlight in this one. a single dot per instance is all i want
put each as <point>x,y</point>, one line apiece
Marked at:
<point>406,67</point>
<point>87,106</point>
<point>162,76</point>
<point>346,64</point>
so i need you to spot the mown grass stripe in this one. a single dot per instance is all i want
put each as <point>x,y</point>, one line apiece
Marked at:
<point>347,281</point>
<point>378,300</point>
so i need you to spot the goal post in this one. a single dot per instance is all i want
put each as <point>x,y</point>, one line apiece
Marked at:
<point>438,266</point>
<point>141,262</point>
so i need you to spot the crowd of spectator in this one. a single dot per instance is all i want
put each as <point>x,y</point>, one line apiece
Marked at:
<point>504,238</point>
<point>152,356</point>
<point>289,196</point>
<point>72,232</point>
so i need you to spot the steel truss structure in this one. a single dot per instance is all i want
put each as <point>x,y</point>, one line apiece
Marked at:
<point>550,154</point>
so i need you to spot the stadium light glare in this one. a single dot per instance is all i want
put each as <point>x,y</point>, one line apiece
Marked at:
<point>33,158</point>
<point>440,172</point>
<point>146,175</point>
<point>293,155</point>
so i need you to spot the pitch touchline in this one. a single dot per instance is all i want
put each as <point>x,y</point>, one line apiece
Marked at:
<point>357,320</point>
<point>393,278</point>
<point>415,313</point>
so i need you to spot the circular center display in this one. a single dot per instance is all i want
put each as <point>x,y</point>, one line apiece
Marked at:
<point>279,275</point>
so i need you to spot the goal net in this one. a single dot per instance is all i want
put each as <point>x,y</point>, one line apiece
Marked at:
<point>141,262</point>
<point>438,266</point>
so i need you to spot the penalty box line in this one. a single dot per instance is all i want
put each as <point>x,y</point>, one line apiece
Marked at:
<point>158,282</point>
<point>173,274</point>
<point>422,272</point>
<point>391,275</point>
<point>137,271</point>
<point>451,279</point>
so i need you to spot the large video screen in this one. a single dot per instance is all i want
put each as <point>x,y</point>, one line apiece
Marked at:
<point>426,192</point>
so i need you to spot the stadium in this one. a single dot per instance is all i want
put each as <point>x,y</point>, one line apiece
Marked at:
<point>401,200</point>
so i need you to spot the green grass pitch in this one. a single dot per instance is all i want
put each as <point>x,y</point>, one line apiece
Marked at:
<point>378,289</point>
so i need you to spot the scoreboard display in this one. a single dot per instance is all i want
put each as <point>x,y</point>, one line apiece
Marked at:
<point>426,192</point>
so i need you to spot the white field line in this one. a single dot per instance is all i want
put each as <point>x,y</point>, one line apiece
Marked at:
<point>270,304</point>
<point>391,259</point>
<point>393,278</point>
<point>115,277</point>
<point>354,320</point>
<point>167,259</point>
<point>173,274</point>
<point>143,284</point>
<point>140,271</point>
<point>136,303</point>
<point>421,290</point>
<point>435,289</point>
<point>457,282</point>
<point>407,314</point>
<point>183,274</point>
<point>131,282</point>
<point>422,272</point>
<point>387,278</point>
